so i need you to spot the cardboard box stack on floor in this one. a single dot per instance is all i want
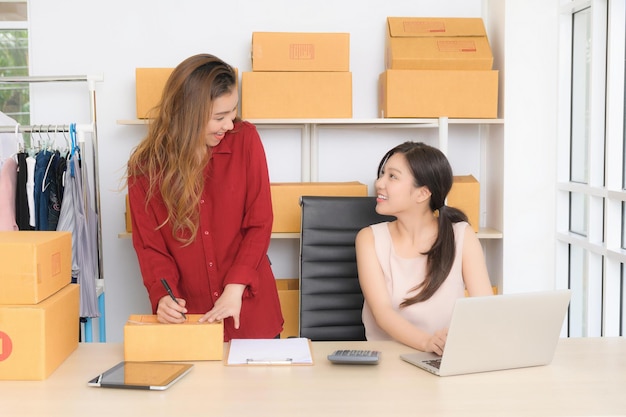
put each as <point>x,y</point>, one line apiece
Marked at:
<point>438,67</point>
<point>298,75</point>
<point>39,306</point>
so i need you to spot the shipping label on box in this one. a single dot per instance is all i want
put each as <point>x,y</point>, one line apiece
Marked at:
<point>35,265</point>
<point>145,339</point>
<point>286,200</point>
<point>289,95</point>
<point>289,297</point>
<point>299,51</point>
<point>36,339</point>
<point>437,43</point>
<point>465,196</point>
<point>438,93</point>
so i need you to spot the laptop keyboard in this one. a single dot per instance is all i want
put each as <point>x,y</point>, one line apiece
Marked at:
<point>434,363</point>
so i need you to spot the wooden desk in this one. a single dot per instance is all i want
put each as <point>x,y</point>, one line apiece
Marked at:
<point>586,377</point>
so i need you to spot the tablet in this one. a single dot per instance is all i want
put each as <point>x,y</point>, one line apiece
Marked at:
<point>141,375</point>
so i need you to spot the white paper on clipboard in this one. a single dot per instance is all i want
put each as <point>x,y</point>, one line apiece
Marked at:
<point>290,351</point>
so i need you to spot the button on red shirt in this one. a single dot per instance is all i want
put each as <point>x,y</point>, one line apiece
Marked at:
<point>235,223</point>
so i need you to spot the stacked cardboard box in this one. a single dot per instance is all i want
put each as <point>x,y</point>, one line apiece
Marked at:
<point>298,75</point>
<point>39,307</point>
<point>149,84</point>
<point>438,67</point>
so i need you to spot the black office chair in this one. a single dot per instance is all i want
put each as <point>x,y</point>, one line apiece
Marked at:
<point>330,295</point>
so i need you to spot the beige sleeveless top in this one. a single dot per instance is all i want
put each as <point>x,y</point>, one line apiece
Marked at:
<point>402,274</point>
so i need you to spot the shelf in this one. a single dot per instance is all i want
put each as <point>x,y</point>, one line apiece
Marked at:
<point>483,233</point>
<point>408,122</point>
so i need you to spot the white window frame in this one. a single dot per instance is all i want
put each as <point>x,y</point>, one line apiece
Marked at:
<point>597,307</point>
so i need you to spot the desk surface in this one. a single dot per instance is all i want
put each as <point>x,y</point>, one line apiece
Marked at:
<point>586,377</point>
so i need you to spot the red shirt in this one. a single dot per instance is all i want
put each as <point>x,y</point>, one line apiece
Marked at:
<point>231,244</point>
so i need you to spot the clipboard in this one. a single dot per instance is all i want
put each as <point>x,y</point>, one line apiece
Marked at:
<point>269,352</point>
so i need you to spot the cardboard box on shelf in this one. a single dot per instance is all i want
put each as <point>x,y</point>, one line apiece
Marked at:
<point>437,93</point>
<point>286,200</point>
<point>437,43</point>
<point>145,339</point>
<point>289,296</point>
<point>289,95</point>
<point>435,26</point>
<point>465,195</point>
<point>35,265</point>
<point>149,84</point>
<point>300,51</point>
<point>35,339</point>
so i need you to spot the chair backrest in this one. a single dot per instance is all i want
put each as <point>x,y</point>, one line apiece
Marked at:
<point>331,300</point>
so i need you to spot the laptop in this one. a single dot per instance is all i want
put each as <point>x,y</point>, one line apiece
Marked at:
<point>141,375</point>
<point>499,332</point>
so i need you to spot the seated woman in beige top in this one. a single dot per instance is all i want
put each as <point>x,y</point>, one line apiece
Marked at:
<point>413,269</point>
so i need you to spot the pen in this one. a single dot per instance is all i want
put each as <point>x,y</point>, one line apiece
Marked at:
<point>171,294</point>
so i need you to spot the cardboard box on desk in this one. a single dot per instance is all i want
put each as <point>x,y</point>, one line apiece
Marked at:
<point>35,265</point>
<point>300,51</point>
<point>437,43</point>
<point>145,339</point>
<point>296,95</point>
<point>36,339</point>
<point>286,200</point>
<point>437,93</point>
<point>465,195</point>
<point>289,296</point>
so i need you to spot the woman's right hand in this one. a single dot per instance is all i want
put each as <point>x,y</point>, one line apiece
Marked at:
<point>437,342</point>
<point>170,312</point>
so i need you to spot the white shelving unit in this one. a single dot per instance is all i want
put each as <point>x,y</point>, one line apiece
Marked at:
<point>310,129</point>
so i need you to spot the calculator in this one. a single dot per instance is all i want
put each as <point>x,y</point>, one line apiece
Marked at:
<point>355,357</point>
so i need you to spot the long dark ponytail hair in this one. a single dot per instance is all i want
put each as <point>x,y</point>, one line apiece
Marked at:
<point>431,168</point>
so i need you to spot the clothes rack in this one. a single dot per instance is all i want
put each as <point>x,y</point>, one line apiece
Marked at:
<point>81,130</point>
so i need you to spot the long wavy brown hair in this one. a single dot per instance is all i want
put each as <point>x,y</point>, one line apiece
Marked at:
<point>174,154</point>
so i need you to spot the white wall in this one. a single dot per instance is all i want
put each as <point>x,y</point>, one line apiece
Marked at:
<point>530,144</point>
<point>114,37</point>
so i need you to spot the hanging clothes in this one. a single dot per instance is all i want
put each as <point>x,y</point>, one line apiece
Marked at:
<point>78,217</point>
<point>9,142</point>
<point>42,188</point>
<point>22,211</point>
<point>8,188</point>
<point>30,189</point>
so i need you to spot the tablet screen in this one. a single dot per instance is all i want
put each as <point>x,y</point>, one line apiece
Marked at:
<point>141,375</point>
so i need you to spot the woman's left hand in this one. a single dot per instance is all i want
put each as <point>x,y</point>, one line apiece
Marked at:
<point>227,305</point>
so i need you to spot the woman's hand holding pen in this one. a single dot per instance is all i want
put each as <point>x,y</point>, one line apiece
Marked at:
<point>227,305</point>
<point>171,311</point>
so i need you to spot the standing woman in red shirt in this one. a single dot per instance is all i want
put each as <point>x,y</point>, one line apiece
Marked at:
<point>200,202</point>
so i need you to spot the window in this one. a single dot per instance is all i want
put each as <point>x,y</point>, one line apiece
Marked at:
<point>591,197</point>
<point>14,98</point>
